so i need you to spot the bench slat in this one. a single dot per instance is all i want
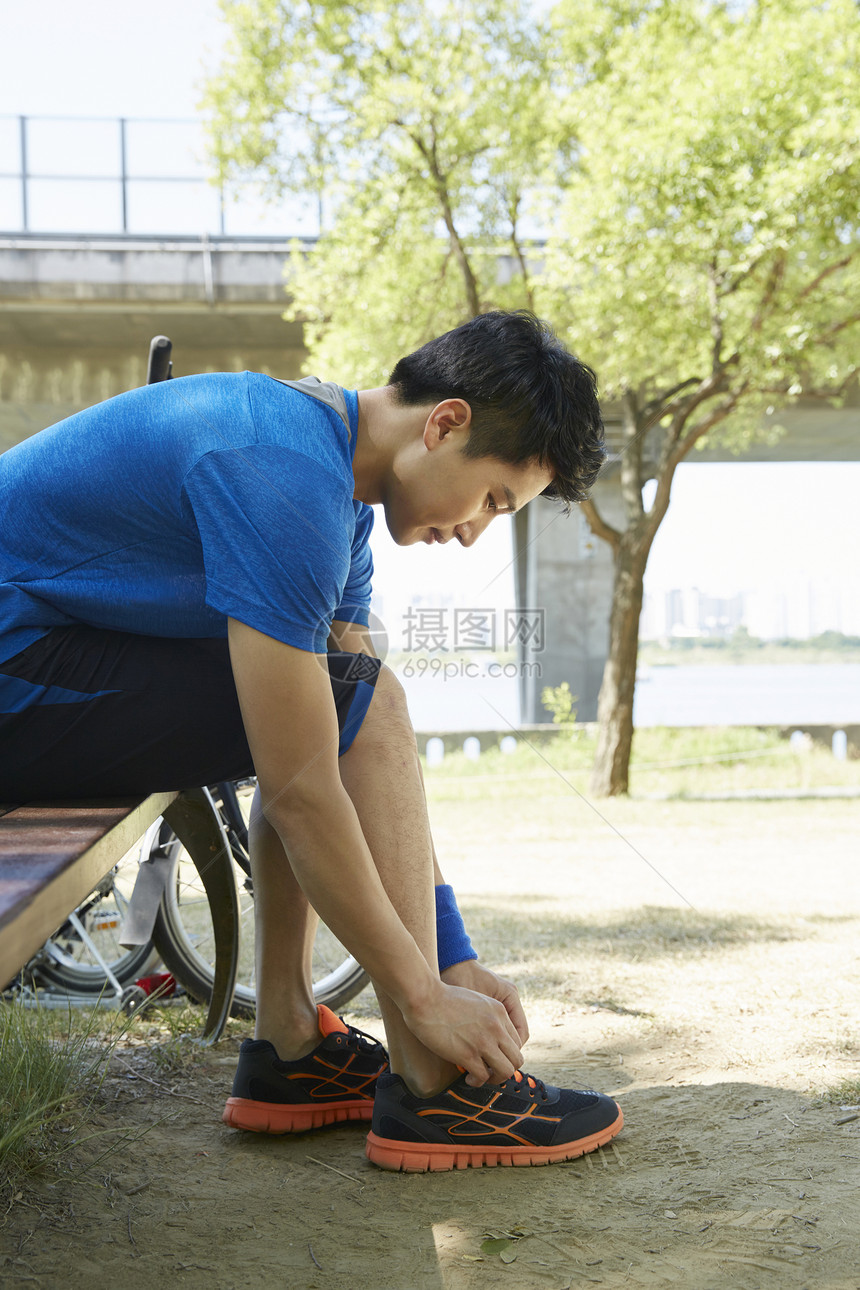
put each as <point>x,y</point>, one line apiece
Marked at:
<point>52,856</point>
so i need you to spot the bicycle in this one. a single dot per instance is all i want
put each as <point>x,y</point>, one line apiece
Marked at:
<point>183,935</point>
<point>85,959</point>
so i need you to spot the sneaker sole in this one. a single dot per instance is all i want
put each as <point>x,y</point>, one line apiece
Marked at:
<point>275,1117</point>
<point>424,1157</point>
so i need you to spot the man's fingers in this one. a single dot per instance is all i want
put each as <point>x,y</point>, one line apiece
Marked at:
<point>517,1016</point>
<point>496,1065</point>
<point>514,1056</point>
<point>472,975</point>
<point>472,1030</point>
<point>505,1056</point>
<point>494,1070</point>
<point>504,1062</point>
<point>507,1022</point>
<point>496,1073</point>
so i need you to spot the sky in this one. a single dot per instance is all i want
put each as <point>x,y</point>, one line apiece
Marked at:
<point>106,57</point>
<point>731,527</point>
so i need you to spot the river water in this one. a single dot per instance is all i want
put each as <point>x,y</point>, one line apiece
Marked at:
<point>790,694</point>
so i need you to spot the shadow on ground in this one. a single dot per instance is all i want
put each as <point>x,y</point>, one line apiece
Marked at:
<point>740,1184</point>
<point>648,932</point>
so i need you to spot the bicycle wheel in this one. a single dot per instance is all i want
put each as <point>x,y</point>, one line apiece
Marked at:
<point>67,962</point>
<point>184,938</point>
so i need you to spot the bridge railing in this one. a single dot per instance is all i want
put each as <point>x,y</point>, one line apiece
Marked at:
<point>128,175</point>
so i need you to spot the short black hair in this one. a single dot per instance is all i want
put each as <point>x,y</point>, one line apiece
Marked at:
<point>531,399</point>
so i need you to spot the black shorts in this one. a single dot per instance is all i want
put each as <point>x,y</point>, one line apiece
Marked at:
<point>92,713</point>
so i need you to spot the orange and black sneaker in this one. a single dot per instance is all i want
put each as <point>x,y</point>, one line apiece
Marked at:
<point>520,1122</point>
<point>335,1082</point>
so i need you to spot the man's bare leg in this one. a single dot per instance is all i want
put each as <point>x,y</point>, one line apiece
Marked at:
<point>284,927</point>
<point>382,775</point>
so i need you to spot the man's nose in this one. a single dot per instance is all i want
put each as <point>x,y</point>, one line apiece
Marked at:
<point>469,532</point>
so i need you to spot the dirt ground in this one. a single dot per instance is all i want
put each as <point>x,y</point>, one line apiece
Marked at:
<point>698,960</point>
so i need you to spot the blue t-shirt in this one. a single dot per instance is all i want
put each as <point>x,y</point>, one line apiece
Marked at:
<point>168,509</point>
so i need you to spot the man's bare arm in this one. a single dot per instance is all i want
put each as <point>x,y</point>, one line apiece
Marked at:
<point>351,638</point>
<point>290,720</point>
<point>471,974</point>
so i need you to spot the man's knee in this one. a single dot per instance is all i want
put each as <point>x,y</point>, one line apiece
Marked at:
<point>387,718</point>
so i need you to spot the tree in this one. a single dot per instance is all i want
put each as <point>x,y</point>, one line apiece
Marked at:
<point>707,256</point>
<point>690,165</point>
<point>424,127</point>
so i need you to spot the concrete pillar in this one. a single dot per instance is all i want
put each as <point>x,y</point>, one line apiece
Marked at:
<point>562,569</point>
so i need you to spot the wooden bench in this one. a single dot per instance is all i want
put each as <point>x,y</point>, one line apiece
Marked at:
<point>53,854</point>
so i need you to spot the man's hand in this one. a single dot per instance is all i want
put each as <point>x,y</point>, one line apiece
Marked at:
<point>468,1029</point>
<point>472,975</point>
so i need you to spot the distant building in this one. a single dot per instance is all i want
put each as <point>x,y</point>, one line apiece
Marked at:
<point>720,616</point>
<point>794,611</point>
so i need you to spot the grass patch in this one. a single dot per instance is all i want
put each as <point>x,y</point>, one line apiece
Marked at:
<point>51,1067</point>
<point>173,1037</point>
<point>740,652</point>
<point>676,762</point>
<point>846,1092</point>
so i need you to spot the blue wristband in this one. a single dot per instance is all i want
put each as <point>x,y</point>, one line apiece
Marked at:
<point>452,940</point>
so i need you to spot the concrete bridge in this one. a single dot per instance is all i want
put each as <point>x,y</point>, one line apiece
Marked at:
<point>76,316</point>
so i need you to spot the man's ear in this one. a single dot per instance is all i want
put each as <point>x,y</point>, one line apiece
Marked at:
<point>452,418</point>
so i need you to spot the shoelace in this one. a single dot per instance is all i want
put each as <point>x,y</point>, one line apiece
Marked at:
<point>532,1083</point>
<point>365,1042</point>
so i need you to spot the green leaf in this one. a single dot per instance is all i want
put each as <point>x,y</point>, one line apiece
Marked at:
<point>497,1245</point>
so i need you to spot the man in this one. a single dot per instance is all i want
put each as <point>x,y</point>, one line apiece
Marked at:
<point>176,564</point>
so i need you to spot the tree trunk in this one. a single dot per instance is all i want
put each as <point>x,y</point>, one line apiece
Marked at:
<point>615,704</point>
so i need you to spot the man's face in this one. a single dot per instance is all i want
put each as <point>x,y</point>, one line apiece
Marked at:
<point>440,495</point>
